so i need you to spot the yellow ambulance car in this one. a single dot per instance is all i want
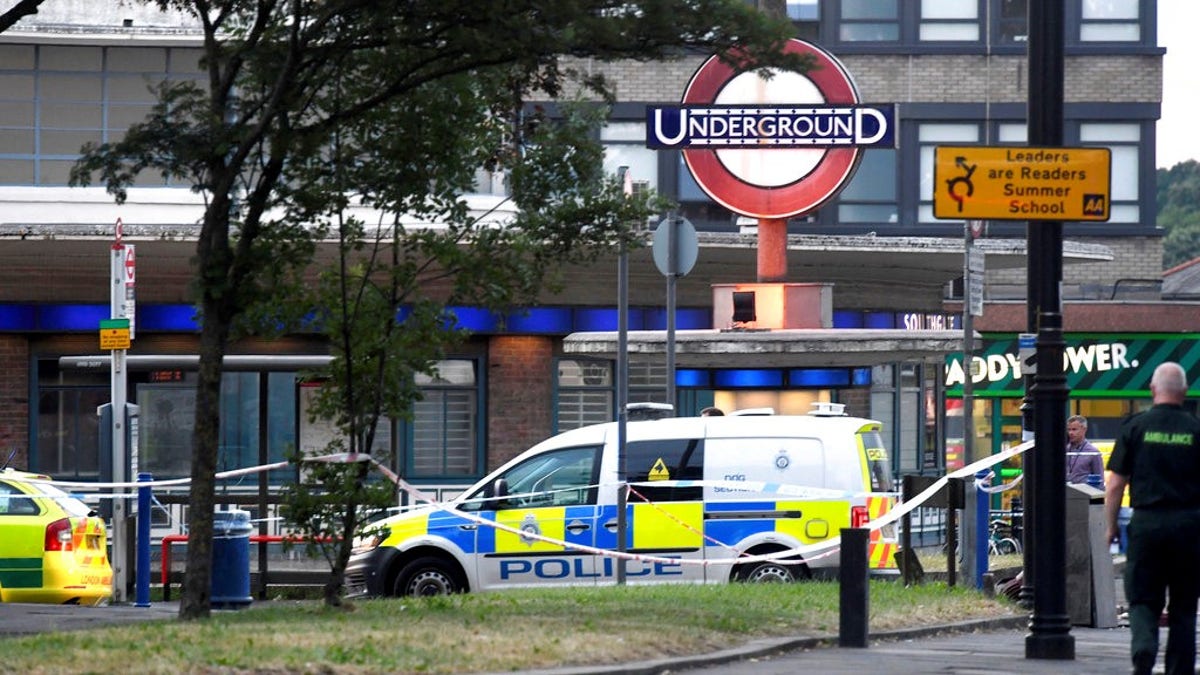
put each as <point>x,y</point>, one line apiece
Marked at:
<point>53,548</point>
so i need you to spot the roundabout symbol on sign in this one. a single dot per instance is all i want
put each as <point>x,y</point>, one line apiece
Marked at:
<point>772,148</point>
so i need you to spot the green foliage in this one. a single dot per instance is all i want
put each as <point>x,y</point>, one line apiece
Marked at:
<point>1178,202</point>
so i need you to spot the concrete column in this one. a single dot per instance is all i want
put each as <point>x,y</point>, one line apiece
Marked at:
<point>772,249</point>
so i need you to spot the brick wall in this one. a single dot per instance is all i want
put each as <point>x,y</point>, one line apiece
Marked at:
<point>1133,258</point>
<point>520,388</point>
<point>926,78</point>
<point>857,400</point>
<point>14,400</point>
<point>1000,79</point>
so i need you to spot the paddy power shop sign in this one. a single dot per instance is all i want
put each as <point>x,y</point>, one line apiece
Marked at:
<point>1098,365</point>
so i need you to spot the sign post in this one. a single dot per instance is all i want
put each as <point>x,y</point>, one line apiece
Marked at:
<point>972,307</point>
<point>116,334</point>
<point>675,250</point>
<point>622,387</point>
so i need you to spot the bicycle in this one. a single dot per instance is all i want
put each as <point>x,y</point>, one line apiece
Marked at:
<point>1000,539</point>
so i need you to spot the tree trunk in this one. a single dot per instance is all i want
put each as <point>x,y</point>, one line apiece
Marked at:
<point>196,602</point>
<point>217,307</point>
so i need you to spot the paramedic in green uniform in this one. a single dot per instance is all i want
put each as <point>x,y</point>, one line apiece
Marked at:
<point>1157,454</point>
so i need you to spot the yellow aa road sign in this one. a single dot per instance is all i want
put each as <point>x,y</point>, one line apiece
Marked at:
<point>1021,183</point>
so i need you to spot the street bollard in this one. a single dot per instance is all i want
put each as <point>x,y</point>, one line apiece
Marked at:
<point>983,516</point>
<point>854,593</point>
<point>142,596</point>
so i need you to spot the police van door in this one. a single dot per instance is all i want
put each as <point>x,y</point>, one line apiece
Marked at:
<point>551,499</point>
<point>665,519</point>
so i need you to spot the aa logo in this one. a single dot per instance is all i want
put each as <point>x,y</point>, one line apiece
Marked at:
<point>1093,205</point>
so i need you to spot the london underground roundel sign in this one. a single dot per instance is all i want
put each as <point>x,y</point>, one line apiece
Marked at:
<point>771,148</point>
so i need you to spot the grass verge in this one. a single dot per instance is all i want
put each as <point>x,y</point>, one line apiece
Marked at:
<point>510,630</point>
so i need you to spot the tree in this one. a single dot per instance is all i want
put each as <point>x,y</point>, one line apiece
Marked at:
<point>570,212</point>
<point>261,113</point>
<point>1178,202</point>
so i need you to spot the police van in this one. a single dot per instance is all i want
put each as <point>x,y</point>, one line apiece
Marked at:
<point>710,500</point>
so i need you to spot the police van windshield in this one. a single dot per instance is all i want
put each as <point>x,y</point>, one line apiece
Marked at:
<point>878,466</point>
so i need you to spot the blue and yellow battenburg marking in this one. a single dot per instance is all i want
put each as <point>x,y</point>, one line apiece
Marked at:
<point>678,527</point>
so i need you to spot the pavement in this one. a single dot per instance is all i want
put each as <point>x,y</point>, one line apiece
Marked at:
<point>987,647</point>
<point>18,618</point>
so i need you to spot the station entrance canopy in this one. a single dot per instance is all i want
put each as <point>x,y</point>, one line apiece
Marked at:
<point>776,348</point>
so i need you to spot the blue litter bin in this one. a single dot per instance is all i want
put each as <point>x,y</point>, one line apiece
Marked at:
<point>231,559</point>
<point>1123,516</point>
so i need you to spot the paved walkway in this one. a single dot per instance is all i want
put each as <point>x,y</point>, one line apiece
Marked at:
<point>18,618</point>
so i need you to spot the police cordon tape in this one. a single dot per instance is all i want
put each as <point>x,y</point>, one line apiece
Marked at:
<point>825,547</point>
<point>984,484</point>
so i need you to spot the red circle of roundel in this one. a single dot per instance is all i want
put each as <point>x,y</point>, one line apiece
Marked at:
<point>800,196</point>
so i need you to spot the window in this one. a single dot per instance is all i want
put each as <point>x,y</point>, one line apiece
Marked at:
<point>167,415</point>
<point>587,390</point>
<point>565,477</point>
<point>445,424</point>
<point>803,10</point>
<point>68,431</point>
<point>1012,21</point>
<point>930,135</point>
<point>647,380</point>
<point>869,21</point>
<point>58,97</point>
<point>676,459</point>
<point>625,145</point>
<point>585,393</point>
<point>911,419</point>
<point>879,468</point>
<point>949,21</point>
<point>1109,21</point>
<point>13,502</point>
<point>870,197</point>
<point>1124,142</point>
<point>883,400</point>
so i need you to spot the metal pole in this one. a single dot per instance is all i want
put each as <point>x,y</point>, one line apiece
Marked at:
<point>120,536</point>
<point>970,531</point>
<point>622,388</point>
<point>1050,627</point>
<point>672,280</point>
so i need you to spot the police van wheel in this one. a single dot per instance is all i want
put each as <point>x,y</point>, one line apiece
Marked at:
<point>426,577</point>
<point>768,572</point>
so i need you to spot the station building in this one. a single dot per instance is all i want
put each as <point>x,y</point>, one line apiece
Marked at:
<point>887,273</point>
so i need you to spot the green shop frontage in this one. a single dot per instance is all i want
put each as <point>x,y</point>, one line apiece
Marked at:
<point>1108,375</point>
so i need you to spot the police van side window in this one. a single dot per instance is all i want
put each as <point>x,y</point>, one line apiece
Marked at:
<point>565,477</point>
<point>878,466</point>
<point>658,461</point>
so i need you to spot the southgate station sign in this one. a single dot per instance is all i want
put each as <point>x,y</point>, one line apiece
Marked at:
<point>772,148</point>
